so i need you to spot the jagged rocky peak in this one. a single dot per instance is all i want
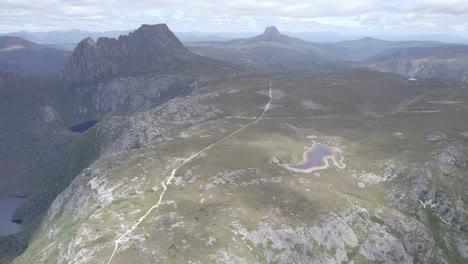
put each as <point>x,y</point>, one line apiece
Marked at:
<point>160,34</point>
<point>145,49</point>
<point>87,42</point>
<point>271,30</point>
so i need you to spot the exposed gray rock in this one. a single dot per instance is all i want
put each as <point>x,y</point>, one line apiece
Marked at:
<point>342,237</point>
<point>311,105</point>
<point>449,212</point>
<point>120,133</point>
<point>399,135</point>
<point>436,136</point>
<point>462,247</point>
<point>137,92</point>
<point>451,155</point>
<point>452,68</point>
<point>49,114</point>
<point>387,174</point>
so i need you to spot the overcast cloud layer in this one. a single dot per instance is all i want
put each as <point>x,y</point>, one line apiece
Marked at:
<point>356,16</point>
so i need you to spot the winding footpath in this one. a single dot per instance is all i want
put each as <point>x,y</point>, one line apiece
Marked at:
<point>168,180</point>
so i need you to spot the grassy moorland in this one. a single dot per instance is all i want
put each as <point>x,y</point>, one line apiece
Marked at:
<point>400,198</point>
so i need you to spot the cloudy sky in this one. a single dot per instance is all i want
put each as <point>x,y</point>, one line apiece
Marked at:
<point>345,16</point>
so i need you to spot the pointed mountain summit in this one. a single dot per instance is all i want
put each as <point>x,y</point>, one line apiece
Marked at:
<point>272,34</point>
<point>151,48</point>
<point>271,30</point>
<point>269,52</point>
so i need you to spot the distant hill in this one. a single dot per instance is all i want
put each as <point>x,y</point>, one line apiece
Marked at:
<point>14,43</point>
<point>273,51</point>
<point>322,36</point>
<point>26,57</point>
<point>65,37</point>
<point>270,51</point>
<point>366,48</point>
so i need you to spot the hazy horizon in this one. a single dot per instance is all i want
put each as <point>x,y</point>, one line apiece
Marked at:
<point>361,17</point>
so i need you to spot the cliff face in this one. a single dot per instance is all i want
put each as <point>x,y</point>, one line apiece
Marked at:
<point>447,68</point>
<point>448,62</point>
<point>151,48</point>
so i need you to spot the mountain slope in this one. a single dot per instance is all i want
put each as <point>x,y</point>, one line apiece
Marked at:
<point>211,186</point>
<point>22,56</point>
<point>40,153</point>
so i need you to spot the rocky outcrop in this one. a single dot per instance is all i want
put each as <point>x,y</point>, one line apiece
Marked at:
<point>151,48</point>
<point>140,93</point>
<point>125,132</point>
<point>452,155</point>
<point>449,68</point>
<point>450,62</point>
<point>271,30</point>
<point>272,34</point>
<point>49,114</point>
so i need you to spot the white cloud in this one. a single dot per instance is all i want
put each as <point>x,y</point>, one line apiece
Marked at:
<point>240,15</point>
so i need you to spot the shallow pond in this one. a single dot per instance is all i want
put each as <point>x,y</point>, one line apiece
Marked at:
<point>317,158</point>
<point>7,208</point>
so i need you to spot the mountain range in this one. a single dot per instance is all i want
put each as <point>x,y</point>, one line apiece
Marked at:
<point>75,36</point>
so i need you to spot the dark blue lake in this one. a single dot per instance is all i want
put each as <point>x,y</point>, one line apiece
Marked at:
<point>80,128</point>
<point>7,208</point>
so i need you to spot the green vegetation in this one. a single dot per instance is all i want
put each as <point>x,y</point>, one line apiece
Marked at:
<point>230,189</point>
<point>377,220</point>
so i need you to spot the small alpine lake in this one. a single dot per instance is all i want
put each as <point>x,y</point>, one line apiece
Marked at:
<point>7,208</point>
<point>317,157</point>
<point>82,127</point>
